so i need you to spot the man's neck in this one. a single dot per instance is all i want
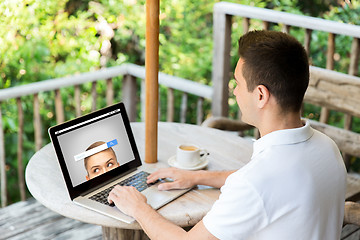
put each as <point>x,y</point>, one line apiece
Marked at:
<point>277,122</point>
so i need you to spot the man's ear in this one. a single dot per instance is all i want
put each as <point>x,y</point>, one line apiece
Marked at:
<point>263,95</point>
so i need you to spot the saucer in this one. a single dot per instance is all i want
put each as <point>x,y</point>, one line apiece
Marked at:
<point>173,163</point>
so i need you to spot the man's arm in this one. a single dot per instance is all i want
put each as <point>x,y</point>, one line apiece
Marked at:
<point>186,179</point>
<point>133,203</point>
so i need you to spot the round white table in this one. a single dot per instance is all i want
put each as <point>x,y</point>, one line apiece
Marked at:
<point>227,151</point>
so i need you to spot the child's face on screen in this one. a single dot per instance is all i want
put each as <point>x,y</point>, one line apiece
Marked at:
<point>100,163</point>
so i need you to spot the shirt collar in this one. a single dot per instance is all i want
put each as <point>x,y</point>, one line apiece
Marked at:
<point>283,137</point>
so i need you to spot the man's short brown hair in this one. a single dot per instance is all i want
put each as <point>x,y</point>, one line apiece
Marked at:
<point>277,61</point>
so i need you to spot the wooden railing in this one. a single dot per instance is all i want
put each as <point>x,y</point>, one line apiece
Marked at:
<point>223,14</point>
<point>130,73</point>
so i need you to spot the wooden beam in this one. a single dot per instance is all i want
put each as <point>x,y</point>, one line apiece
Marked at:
<point>347,141</point>
<point>59,83</point>
<point>151,79</point>
<point>334,90</point>
<point>291,19</point>
<point>352,213</point>
<point>167,80</point>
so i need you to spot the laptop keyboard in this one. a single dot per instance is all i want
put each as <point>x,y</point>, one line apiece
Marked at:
<point>138,181</point>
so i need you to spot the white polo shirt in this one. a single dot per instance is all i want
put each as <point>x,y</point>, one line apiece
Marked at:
<point>293,188</point>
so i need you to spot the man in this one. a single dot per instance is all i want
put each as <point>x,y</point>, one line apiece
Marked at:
<point>294,185</point>
<point>100,162</point>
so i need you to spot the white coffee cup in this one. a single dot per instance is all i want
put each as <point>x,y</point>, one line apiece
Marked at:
<point>188,155</point>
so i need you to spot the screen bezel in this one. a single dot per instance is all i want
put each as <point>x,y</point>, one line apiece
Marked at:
<point>103,178</point>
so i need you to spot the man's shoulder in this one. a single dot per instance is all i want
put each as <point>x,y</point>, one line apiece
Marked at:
<point>323,139</point>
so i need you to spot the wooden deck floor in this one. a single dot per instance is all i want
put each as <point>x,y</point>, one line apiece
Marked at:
<point>31,220</point>
<point>350,232</point>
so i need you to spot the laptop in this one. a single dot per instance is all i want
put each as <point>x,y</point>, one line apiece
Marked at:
<point>98,151</point>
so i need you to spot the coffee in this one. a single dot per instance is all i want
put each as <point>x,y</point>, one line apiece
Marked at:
<point>188,155</point>
<point>188,148</point>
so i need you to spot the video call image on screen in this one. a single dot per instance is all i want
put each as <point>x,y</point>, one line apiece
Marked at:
<point>95,148</point>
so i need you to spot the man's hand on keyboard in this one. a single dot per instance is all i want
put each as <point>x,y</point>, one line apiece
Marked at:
<point>127,199</point>
<point>181,178</point>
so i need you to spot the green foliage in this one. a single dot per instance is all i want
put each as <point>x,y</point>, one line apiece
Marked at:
<point>40,41</point>
<point>348,12</point>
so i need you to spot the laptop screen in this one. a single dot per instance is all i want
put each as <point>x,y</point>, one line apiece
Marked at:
<point>95,145</point>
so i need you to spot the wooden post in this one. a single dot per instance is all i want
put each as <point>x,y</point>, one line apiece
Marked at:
<point>353,70</point>
<point>354,57</point>
<point>199,111</point>
<point>2,165</point>
<point>59,109</point>
<point>266,25</point>
<point>286,28</point>
<point>37,123</point>
<point>246,25</point>
<point>77,100</point>
<point>325,112</point>
<point>183,108</point>
<point>93,96</point>
<point>307,41</point>
<point>20,166</point>
<point>330,52</point>
<point>170,105</point>
<point>142,99</point>
<point>221,64</point>
<point>109,92</point>
<point>159,107</point>
<point>151,80</point>
<point>129,96</point>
